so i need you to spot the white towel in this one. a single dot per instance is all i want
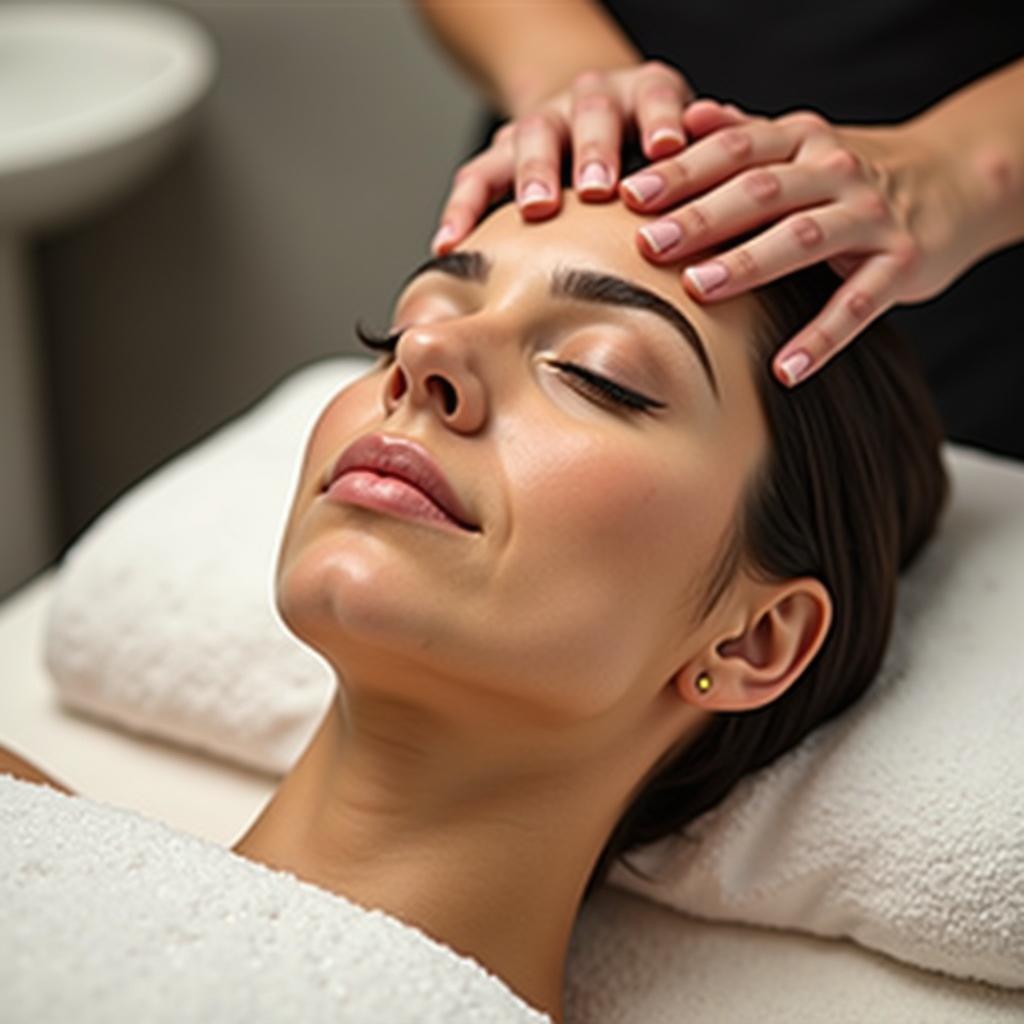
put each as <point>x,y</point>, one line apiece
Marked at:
<point>108,916</point>
<point>163,619</point>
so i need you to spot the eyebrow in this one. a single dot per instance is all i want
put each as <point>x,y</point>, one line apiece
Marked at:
<point>587,286</point>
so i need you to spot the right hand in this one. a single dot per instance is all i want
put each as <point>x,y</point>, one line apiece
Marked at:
<point>592,115</point>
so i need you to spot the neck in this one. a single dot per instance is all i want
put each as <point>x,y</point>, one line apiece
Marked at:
<point>492,866</point>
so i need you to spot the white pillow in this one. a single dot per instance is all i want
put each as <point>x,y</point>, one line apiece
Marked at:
<point>900,824</point>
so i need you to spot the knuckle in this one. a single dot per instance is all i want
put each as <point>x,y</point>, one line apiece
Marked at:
<point>807,231</point>
<point>694,220</point>
<point>824,341</point>
<point>660,68</point>
<point>457,209</point>
<point>860,305</point>
<point>873,207</point>
<point>744,265</point>
<point>586,81</point>
<point>844,164</point>
<point>809,120</point>
<point>658,92</point>
<point>594,103</point>
<point>466,173</point>
<point>504,132</point>
<point>762,185</point>
<point>736,142</point>
<point>538,121</point>
<point>908,254</point>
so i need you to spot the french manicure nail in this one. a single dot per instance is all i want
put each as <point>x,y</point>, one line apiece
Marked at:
<point>664,133</point>
<point>534,192</point>
<point>661,234</point>
<point>445,233</point>
<point>644,187</point>
<point>708,276</point>
<point>794,366</point>
<point>594,176</point>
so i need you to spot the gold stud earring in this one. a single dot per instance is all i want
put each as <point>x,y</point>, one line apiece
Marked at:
<point>703,682</point>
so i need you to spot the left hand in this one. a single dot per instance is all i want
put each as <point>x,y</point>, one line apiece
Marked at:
<point>877,203</point>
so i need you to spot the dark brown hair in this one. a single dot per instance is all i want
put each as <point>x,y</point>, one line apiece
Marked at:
<point>852,486</point>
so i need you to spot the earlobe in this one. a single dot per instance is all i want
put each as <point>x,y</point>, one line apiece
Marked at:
<point>747,671</point>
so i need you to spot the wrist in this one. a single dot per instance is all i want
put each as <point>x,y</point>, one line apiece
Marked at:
<point>986,169</point>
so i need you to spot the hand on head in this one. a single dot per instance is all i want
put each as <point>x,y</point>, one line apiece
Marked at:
<point>878,204</point>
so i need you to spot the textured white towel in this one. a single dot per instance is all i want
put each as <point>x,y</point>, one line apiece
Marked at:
<point>163,618</point>
<point>901,824</point>
<point>108,916</point>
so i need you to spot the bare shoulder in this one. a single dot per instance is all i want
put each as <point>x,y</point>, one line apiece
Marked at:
<point>12,764</point>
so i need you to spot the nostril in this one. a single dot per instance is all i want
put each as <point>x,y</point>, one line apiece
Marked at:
<point>397,386</point>
<point>447,392</point>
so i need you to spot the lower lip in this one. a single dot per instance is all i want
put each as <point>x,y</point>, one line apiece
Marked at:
<point>388,494</point>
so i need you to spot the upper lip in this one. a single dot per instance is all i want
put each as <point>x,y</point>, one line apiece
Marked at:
<point>408,460</point>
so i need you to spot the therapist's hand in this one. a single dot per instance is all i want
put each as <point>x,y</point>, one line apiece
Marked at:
<point>879,204</point>
<point>592,116</point>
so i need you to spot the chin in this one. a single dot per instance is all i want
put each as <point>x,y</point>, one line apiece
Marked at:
<point>342,594</point>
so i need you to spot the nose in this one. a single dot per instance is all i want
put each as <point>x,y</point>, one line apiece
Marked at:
<point>433,370</point>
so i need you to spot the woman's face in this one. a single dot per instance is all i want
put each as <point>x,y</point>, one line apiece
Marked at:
<point>579,591</point>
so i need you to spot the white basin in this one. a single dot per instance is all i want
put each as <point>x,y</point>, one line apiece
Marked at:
<point>92,97</point>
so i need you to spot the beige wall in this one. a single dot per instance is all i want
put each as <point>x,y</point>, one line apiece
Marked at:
<point>307,190</point>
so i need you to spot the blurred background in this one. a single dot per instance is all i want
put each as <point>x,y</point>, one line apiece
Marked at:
<point>305,187</point>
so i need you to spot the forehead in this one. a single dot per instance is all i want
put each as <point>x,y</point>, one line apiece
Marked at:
<point>602,237</point>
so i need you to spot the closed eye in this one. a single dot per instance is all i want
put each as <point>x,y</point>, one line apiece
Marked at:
<point>597,386</point>
<point>608,390</point>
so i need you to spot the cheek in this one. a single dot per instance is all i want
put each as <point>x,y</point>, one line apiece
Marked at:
<point>605,539</point>
<point>349,413</point>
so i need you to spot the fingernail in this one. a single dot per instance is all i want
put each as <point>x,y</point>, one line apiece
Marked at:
<point>794,366</point>
<point>594,176</point>
<point>534,192</point>
<point>664,133</point>
<point>708,276</point>
<point>661,234</point>
<point>644,187</point>
<point>445,233</point>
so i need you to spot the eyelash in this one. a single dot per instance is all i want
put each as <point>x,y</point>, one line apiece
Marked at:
<point>600,387</point>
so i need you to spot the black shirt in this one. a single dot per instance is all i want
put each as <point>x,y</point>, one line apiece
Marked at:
<point>877,61</point>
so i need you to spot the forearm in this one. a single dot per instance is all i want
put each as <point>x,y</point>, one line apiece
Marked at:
<point>980,129</point>
<point>520,53</point>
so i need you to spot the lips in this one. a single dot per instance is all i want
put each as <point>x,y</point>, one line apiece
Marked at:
<point>407,460</point>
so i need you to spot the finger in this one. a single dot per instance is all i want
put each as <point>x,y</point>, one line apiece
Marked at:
<point>477,184</point>
<point>659,98</point>
<point>858,301</point>
<point>751,199</point>
<point>538,155</point>
<point>705,115</point>
<point>799,240</point>
<point>596,136</point>
<point>708,162</point>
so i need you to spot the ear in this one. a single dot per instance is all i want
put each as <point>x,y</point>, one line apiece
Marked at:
<point>755,666</point>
